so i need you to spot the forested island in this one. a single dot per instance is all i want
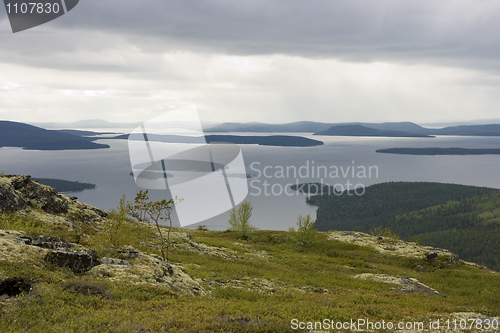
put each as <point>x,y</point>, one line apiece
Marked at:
<point>271,140</point>
<point>65,185</point>
<point>463,219</point>
<point>440,151</point>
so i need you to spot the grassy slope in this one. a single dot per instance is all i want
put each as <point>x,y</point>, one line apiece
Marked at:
<point>259,286</point>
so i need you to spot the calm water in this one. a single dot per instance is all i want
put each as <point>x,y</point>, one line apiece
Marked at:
<point>110,168</point>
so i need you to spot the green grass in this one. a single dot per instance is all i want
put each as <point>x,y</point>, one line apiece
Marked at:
<point>280,280</point>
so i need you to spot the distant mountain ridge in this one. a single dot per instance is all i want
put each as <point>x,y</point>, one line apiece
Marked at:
<point>14,134</point>
<point>317,127</point>
<point>359,130</point>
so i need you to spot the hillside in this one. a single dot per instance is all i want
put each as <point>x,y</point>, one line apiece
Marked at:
<point>474,130</point>
<point>359,130</point>
<point>297,127</point>
<point>13,134</point>
<point>215,281</point>
<point>461,218</point>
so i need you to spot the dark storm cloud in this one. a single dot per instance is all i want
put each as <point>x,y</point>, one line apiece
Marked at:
<point>456,33</point>
<point>463,32</point>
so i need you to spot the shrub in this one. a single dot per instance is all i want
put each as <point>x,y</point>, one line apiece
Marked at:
<point>239,220</point>
<point>387,232</point>
<point>305,230</point>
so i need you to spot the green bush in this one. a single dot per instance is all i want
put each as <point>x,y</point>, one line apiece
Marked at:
<point>305,232</point>
<point>239,220</point>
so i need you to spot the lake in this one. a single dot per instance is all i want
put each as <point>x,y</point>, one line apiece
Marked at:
<point>275,206</point>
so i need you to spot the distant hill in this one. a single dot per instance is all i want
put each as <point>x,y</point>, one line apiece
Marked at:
<point>439,151</point>
<point>88,123</point>
<point>359,130</point>
<point>14,134</point>
<point>272,140</point>
<point>469,130</point>
<point>315,127</point>
<point>296,127</point>
<point>83,133</point>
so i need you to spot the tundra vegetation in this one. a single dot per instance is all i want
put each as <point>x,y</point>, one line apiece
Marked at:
<point>229,283</point>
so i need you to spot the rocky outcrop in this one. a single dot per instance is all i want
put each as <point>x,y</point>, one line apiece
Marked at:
<point>47,242</point>
<point>78,261</point>
<point>19,192</point>
<point>397,247</point>
<point>149,269</point>
<point>42,202</point>
<point>406,285</point>
<point>10,200</point>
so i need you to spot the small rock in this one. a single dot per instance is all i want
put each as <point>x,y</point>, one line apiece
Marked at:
<point>113,261</point>
<point>129,252</point>
<point>10,200</point>
<point>21,181</point>
<point>55,205</point>
<point>455,259</point>
<point>87,289</point>
<point>53,243</point>
<point>99,212</point>
<point>15,285</point>
<point>77,261</point>
<point>431,256</point>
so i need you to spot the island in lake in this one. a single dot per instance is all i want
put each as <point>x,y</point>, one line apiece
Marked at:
<point>272,140</point>
<point>440,151</point>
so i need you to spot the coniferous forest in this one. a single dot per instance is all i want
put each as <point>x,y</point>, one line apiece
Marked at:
<point>463,219</point>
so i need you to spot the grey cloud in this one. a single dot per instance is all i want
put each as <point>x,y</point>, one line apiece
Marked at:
<point>453,33</point>
<point>350,30</point>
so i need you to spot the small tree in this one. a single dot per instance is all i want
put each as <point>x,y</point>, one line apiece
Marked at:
<point>82,224</point>
<point>305,230</point>
<point>138,209</point>
<point>239,219</point>
<point>158,211</point>
<point>146,211</point>
<point>114,222</point>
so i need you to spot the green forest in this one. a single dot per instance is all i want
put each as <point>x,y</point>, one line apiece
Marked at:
<point>463,219</point>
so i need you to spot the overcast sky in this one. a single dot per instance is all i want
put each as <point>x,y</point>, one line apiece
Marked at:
<point>263,60</point>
